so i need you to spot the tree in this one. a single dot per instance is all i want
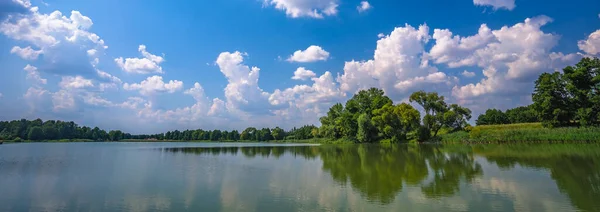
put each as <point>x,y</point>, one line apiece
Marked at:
<point>35,133</point>
<point>550,100</point>
<point>456,117</point>
<point>50,132</point>
<point>522,115</point>
<point>434,106</point>
<point>278,133</point>
<point>394,122</point>
<point>115,135</point>
<point>492,116</point>
<point>582,81</point>
<point>215,135</point>
<point>248,134</point>
<point>366,131</point>
<point>266,134</point>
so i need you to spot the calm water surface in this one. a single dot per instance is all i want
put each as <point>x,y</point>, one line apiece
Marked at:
<point>259,177</point>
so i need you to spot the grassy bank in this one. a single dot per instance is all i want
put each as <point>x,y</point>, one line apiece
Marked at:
<point>530,133</point>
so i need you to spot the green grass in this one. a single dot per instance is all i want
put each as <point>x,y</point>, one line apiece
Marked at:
<point>529,133</point>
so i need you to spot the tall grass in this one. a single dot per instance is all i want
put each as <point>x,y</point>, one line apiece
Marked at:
<point>530,133</point>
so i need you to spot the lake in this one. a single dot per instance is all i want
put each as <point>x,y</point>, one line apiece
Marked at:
<point>276,177</point>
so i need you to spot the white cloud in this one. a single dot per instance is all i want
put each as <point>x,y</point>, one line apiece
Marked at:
<point>217,107</point>
<point>154,84</point>
<point>468,74</point>
<point>26,53</point>
<point>63,100</point>
<point>148,64</point>
<point>24,3</point>
<point>592,44</point>
<point>108,76</point>
<point>303,74</point>
<point>70,82</point>
<point>242,91</point>
<point>93,99</point>
<point>364,6</point>
<point>311,54</point>
<point>511,57</point>
<point>46,30</point>
<point>34,97</point>
<point>92,52</point>
<point>496,4</point>
<point>305,8</point>
<point>33,74</point>
<point>380,35</point>
<point>397,66</point>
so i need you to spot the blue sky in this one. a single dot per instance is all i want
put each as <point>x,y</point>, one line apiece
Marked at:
<point>152,66</point>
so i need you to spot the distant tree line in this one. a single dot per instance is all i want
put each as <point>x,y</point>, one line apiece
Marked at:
<point>38,130</point>
<point>54,130</point>
<point>570,98</point>
<point>523,114</point>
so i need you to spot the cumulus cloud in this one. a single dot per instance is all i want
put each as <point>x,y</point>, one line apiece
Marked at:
<point>511,57</point>
<point>153,85</point>
<point>148,64</point>
<point>34,75</point>
<point>311,54</point>
<point>303,74</point>
<point>592,44</point>
<point>62,40</point>
<point>364,6</point>
<point>305,8</point>
<point>26,53</point>
<point>397,66</point>
<point>496,4</point>
<point>468,74</point>
<point>76,82</point>
<point>63,100</point>
<point>46,30</point>
<point>242,91</point>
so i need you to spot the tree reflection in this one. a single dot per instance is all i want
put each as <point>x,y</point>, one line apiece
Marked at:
<point>575,168</point>
<point>377,172</point>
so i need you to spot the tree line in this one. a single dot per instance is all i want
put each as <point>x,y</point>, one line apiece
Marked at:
<point>570,98</point>
<point>38,130</point>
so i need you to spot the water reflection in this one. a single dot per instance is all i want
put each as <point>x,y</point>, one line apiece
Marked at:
<point>379,173</point>
<point>137,177</point>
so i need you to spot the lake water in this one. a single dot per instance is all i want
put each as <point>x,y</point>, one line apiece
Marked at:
<point>269,177</point>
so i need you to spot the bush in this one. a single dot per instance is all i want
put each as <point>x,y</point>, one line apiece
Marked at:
<point>17,139</point>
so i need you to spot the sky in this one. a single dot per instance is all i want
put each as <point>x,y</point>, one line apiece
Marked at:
<point>152,66</point>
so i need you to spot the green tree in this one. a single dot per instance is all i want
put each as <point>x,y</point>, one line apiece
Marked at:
<point>394,122</point>
<point>583,85</point>
<point>366,131</point>
<point>456,117</point>
<point>50,132</point>
<point>550,100</point>
<point>522,115</point>
<point>35,133</point>
<point>492,116</point>
<point>434,106</point>
<point>278,133</point>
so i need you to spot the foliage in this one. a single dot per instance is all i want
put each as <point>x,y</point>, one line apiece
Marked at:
<point>573,97</point>
<point>492,116</point>
<point>366,130</point>
<point>525,132</point>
